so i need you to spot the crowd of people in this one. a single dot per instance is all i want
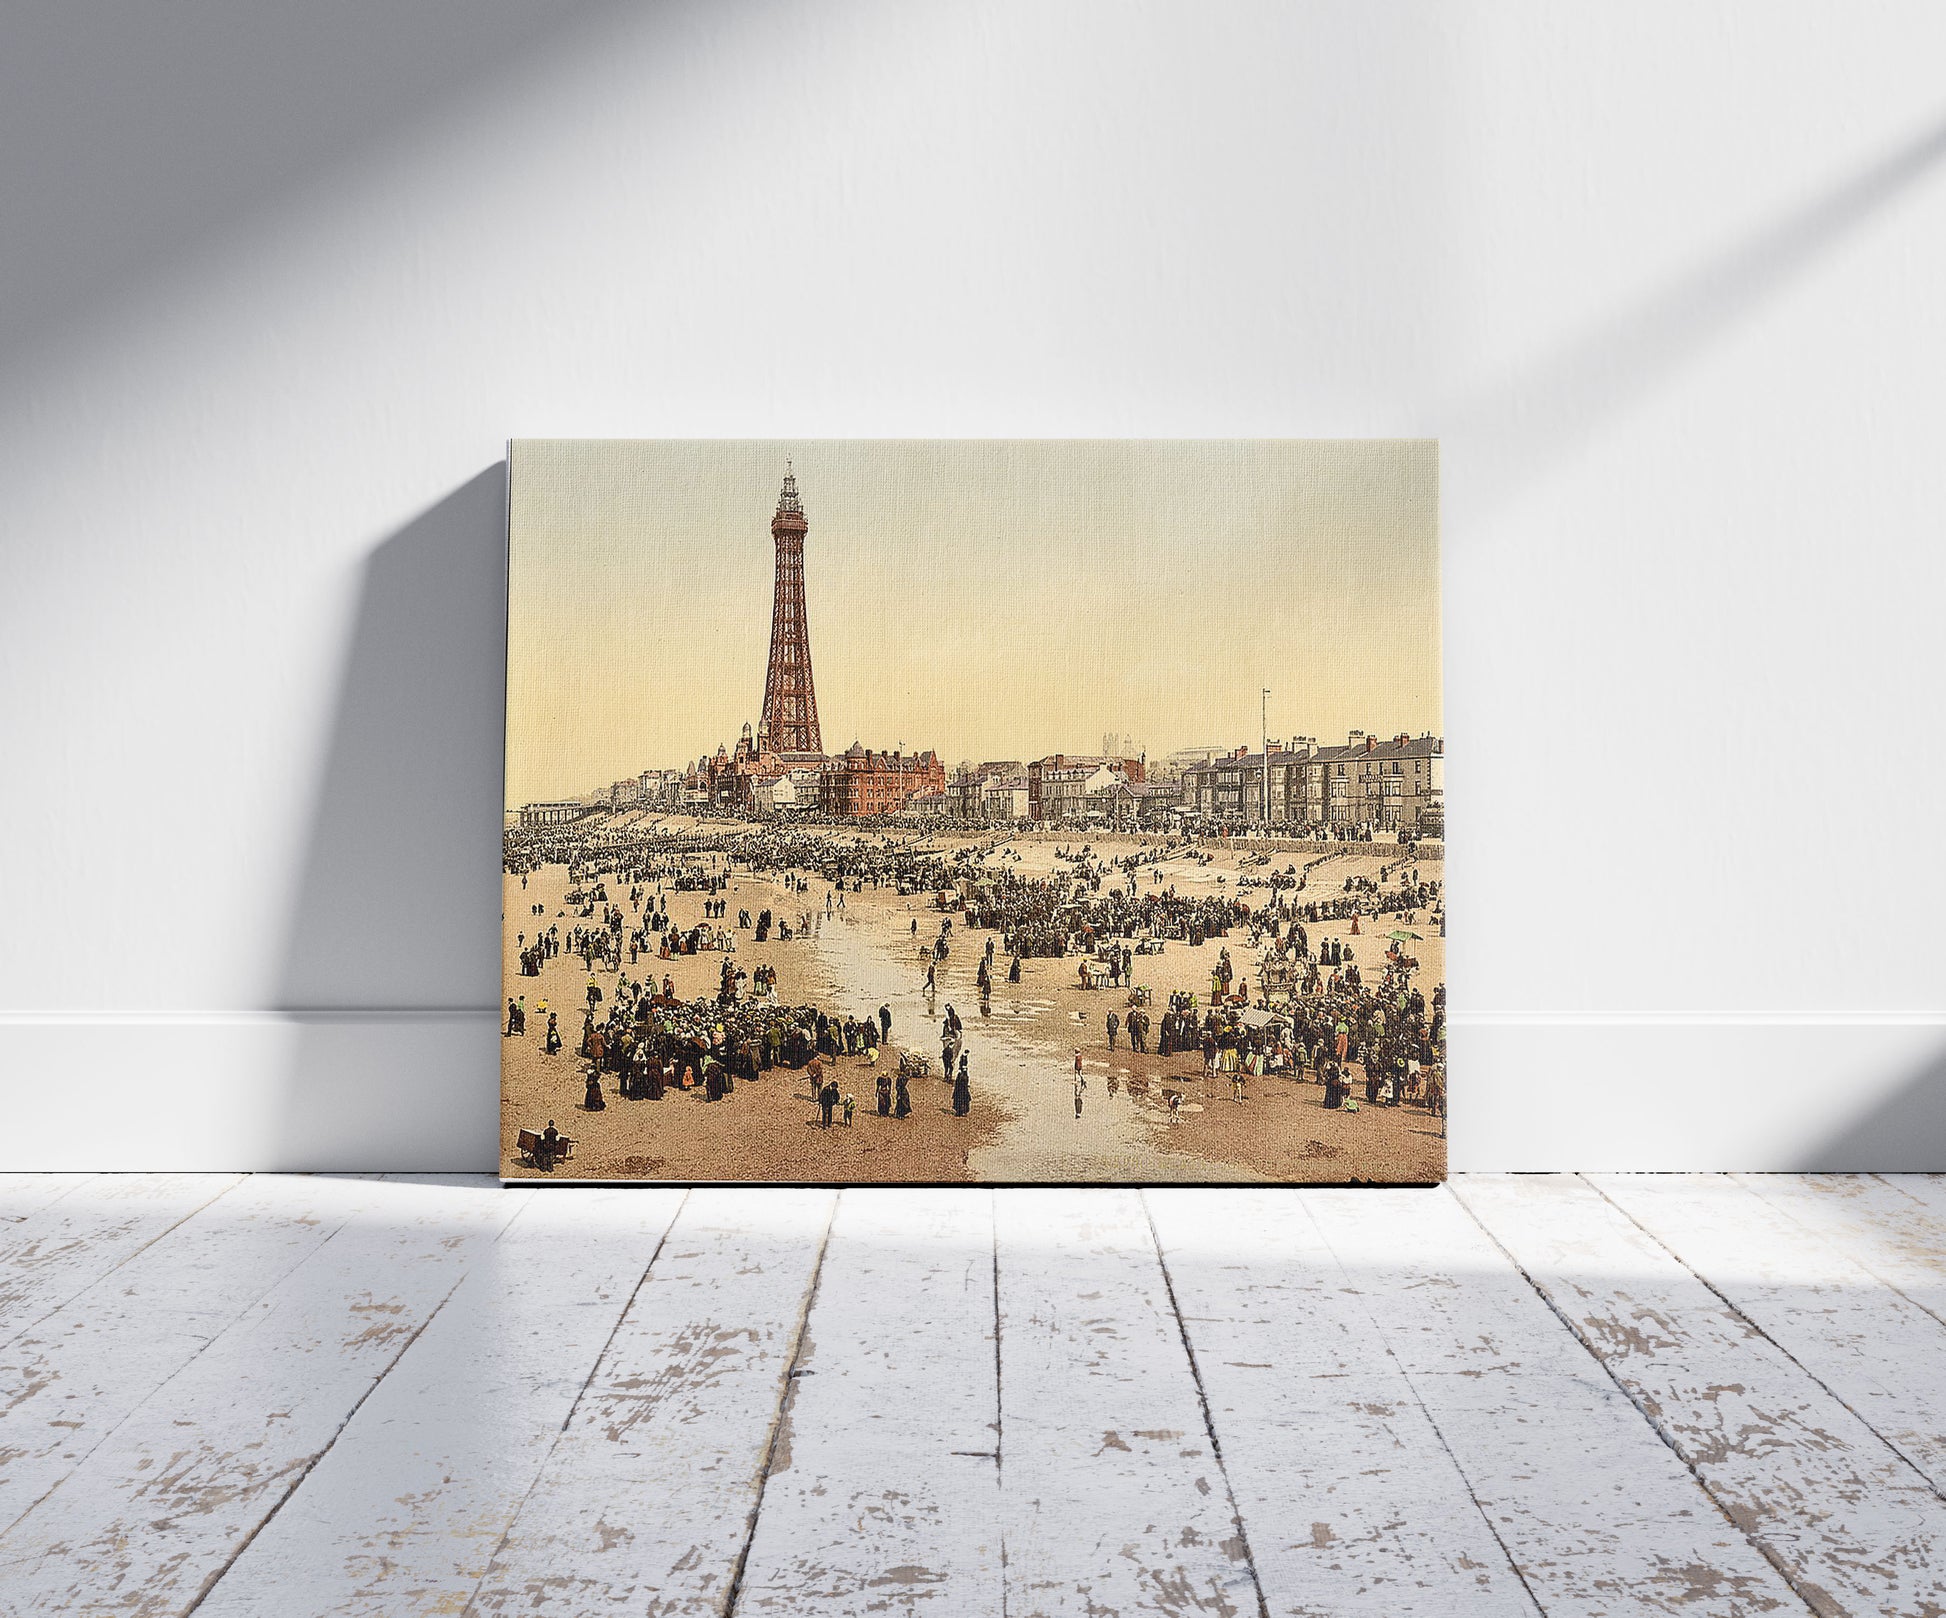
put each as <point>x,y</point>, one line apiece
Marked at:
<point>1377,1043</point>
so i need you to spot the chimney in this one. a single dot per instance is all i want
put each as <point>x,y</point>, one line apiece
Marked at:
<point>1354,738</point>
<point>1370,743</point>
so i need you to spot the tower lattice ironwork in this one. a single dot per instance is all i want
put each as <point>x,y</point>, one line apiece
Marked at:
<point>790,699</point>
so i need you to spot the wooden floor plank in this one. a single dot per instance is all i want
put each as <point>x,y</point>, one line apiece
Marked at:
<point>645,1504</point>
<point>1350,1499</point>
<point>72,1378</point>
<point>1875,1350</point>
<point>1849,1521</point>
<point>1928,1189</point>
<point>155,1513</point>
<point>403,1514</point>
<point>1598,1514</point>
<point>22,1194</point>
<point>883,1495</point>
<point>326,1397</point>
<point>1894,1225</point>
<point>63,1247</point>
<point>1112,1498</point>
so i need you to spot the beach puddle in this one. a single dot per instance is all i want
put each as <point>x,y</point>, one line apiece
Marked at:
<point>1042,1139</point>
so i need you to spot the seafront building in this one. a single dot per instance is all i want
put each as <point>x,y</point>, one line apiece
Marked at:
<point>860,783</point>
<point>1395,783</point>
<point>1059,784</point>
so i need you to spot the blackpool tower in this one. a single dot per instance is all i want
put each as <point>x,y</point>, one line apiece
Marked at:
<point>790,718</point>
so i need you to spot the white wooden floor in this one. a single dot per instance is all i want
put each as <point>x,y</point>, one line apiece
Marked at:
<point>1602,1395</point>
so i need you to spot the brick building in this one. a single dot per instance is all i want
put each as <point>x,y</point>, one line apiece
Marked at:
<point>859,783</point>
<point>732,779</point>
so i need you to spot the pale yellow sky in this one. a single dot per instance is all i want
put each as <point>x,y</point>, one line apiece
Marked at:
<point>986,598</point>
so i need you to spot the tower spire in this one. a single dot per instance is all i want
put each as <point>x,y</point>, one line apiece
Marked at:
<point>790,712</point>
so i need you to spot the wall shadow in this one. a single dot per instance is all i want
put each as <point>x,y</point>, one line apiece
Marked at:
<point>1905,1133</point>
<point>137,139</point>
<point>391,954</point>
<point>1548,409</point>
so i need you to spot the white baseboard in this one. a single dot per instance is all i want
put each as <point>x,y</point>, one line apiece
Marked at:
<point>417,1090</point>
<point>251,1090</point>
<point>1776,1093</point>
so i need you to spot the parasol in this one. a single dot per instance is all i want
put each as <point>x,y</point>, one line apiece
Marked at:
<point>1402,935</point>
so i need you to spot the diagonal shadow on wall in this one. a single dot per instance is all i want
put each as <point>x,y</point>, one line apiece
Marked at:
<point>138,141</point>
<point>1521,428</point>
<point>390,963</point>
<point>1904,1132</point>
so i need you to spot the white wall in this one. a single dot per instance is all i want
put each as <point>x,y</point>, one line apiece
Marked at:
<point>278,282</point>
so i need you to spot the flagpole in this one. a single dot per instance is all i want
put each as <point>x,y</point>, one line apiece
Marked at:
<point>1265,717</point>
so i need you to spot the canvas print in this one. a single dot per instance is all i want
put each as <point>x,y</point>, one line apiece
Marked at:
<point>979,811</point>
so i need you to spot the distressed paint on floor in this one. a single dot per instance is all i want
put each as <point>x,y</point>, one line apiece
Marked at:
<point>1698,1394</point>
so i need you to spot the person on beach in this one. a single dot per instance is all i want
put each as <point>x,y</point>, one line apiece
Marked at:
<point>962,1092</point>
<point>828,1101</point>
<point>592,1101</point>
<point>885,1095</point>
<point>1080,1085</point>
<point>902,1106</point>
<point>1386,1033</point>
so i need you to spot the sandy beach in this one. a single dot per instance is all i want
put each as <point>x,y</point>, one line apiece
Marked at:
<point>1023,1125</point>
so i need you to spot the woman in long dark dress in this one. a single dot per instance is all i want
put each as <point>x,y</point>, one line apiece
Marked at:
<point>885,1095</point>
<point>593,1102</point>
<point>902,1106</point>
<point>962,1092</point>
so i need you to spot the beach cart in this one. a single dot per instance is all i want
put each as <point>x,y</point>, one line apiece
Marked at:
<point>532,1147</point>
